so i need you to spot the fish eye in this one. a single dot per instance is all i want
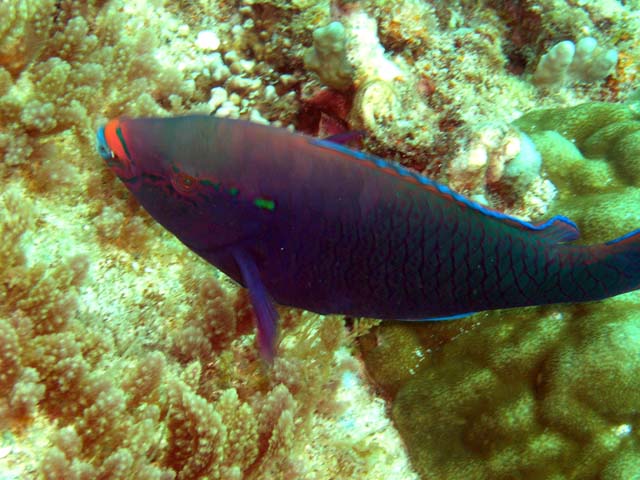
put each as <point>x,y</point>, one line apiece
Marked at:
<point>183,182</point>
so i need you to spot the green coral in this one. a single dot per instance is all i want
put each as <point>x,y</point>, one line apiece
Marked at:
<point>538,393</point>
<point>589,147</point>
<point>602,216</point>
<point>393,354</point>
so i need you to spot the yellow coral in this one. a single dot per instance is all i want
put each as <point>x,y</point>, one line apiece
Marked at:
<point>10,363</point>
<point>549,392</point>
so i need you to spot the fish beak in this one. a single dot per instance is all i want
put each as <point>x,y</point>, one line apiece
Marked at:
<point>103,148</point>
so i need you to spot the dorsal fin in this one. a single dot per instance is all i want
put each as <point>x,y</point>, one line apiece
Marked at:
<point>346,137</point>
<point>556,229</point>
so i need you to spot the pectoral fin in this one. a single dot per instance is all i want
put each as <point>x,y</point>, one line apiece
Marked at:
<point>266,314</point>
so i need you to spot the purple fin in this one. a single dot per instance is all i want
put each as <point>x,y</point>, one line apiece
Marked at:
<point>457,316</point>
<point>266,314</point>
<point>630,237</point>
<point>557,229</point>
<point>449,317</point>
<point>346,137</point>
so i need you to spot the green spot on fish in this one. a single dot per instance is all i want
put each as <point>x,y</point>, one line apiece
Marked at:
<point>209,183</point>
<point>265,203</point>
<point>233,191</point>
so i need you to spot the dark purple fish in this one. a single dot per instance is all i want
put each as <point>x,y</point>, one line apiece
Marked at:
<point>315,225</point>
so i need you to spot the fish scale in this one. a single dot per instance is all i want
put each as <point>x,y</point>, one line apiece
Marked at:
<point>313,224</point>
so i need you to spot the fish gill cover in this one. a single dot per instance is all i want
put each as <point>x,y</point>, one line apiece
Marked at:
<point>122,355</point>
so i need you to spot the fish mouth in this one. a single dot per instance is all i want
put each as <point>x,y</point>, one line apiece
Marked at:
<point>123,169</point>
<point>103,148</point>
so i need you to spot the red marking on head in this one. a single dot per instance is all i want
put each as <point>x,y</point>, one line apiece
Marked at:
<point>114,140</point>
<point>115,136</point>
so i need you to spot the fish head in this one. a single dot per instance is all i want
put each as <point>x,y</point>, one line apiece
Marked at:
<point>170,167</point>
<point>113,149</point>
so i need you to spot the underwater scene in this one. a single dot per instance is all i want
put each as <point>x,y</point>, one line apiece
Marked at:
<point>328,239</point>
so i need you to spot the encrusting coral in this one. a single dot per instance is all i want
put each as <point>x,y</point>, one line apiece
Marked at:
<point>588,147</point>
<point>544,394</point>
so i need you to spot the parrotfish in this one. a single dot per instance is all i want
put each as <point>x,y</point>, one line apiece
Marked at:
<point>313,224</point>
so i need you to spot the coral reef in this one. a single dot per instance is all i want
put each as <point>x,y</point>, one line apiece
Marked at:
<point>543,392</point>
<point>122,355</point>
<point>214,413</point>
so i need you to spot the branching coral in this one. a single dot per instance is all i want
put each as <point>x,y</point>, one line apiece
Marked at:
<point>23,29</point>
<point>80,54</point>
<point>583,61</point>
<point>129,410</point>
<point>197,435</point>
<point>387,102</point>
<point>9,358</point>
<point>92,300</point>
<point>328,57</point>
<point>45,368</point>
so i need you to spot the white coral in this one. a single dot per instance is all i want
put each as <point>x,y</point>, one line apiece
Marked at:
<point>366,54</point>
<point>328,58</point>
<point>585,61</point>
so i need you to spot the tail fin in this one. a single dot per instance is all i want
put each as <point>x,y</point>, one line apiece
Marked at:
<point>618,264</point>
